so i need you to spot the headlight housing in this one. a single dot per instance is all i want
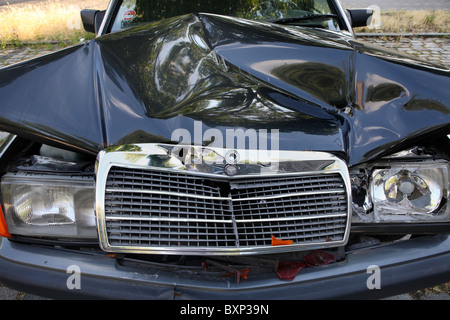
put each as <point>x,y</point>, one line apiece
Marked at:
<point>49,206</point>
<point>411,192</point>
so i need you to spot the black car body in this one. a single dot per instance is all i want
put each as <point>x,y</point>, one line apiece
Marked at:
<point>154,159</point>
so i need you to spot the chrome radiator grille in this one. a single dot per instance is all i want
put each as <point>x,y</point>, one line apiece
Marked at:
<point>154,210</point>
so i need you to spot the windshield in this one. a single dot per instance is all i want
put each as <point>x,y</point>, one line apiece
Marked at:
<point>312,13</point>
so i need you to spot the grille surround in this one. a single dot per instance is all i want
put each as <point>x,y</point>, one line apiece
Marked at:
<point>169,209</point>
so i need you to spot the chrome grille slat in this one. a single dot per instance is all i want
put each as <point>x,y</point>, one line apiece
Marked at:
<point>287,185</point>
<point>164,233</point>
<point>150,180</point>
<point>286,227</point>
<point>301,218</point>
<point>169,193</point>
<point>170,207</point>
<point>146,209</point>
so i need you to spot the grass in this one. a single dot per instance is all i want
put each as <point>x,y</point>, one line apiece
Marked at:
<point>414,21</point>
<point>46,21</point>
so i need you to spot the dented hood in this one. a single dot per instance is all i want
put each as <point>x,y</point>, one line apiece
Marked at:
<point>175,79</point>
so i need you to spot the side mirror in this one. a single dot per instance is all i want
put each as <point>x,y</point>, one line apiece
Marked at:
<point>360,17</point>
<point>92,19</point>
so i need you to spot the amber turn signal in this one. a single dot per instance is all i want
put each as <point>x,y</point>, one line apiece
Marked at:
<point>3,226</point>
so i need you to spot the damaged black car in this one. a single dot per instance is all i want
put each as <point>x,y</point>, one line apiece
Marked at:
<point>240,149</point>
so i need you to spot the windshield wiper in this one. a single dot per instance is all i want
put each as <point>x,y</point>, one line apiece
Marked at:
<point>301,18</point>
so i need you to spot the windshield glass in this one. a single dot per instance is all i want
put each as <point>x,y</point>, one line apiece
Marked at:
<point>313,13</point>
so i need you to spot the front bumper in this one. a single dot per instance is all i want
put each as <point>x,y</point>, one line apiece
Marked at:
<point>404,266</point>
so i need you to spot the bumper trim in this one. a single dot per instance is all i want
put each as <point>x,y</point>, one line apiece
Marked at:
<point>405,266</point>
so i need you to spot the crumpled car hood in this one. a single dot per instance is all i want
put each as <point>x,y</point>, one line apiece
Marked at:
<point>320,90</point>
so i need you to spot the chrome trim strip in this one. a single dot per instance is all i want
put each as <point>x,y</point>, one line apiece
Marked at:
<point>218,177</point>
<point>177,194</point>
<point>167,193</point>
<point>296,194</point>
<point>141,157</point>
<point>115,218</point>
<point>106,18</point>
<point>344,16</point>
<point>292,218</point>
<point>4,146</point>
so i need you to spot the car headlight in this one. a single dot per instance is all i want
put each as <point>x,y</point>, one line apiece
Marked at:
<point>49,206</point>
<point>402,192</point>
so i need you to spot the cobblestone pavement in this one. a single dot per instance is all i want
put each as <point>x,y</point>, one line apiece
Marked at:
<point>433,49</point>
<point>10,55</point>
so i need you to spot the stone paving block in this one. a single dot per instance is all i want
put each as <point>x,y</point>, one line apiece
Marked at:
<point>8,294</point>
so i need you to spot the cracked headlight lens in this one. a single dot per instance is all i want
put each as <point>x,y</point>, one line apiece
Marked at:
<point>406,192</point>
<point>49,206</point>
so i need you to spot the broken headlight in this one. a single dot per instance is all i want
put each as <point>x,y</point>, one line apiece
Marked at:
<point>49,206</point>
<point>402,192</point>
